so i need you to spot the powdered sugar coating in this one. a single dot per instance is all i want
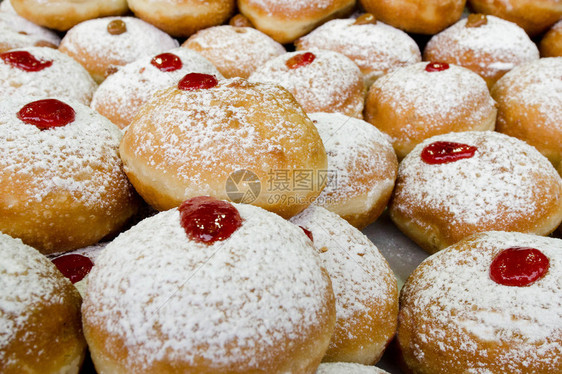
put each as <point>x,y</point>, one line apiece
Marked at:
<point>121,95</point>
<point>17,32</point>
<point>331,83</point>
<point>376,48</point>
<point>478,325</point>
<point>274,7</point>
<point>348,368</point>
<point>65,78</point>
<point>230,302</point>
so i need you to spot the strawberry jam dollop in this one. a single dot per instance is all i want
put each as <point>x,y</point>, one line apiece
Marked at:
<point>24,60</point>
<point>446,152</point>
<point>519,266</point>
<point>197,81</point>
<point>47,113</point>
<point>308,233</point>
<point>300,60</point>
<point>166,62</point>
<point>73,266</point>
<point>436,66</point>
<point>207,220</point>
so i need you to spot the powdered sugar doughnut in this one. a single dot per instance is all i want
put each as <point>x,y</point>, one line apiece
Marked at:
<point>17,32</point>
<point>160,299</point>
<point>363,166</point>
<point>39,314</point>
<point>42,72</point>
<point>551,43</point>
<point>348,368</point>
<point>64,14</point>
<point>230,139</point>
<point>122,94</point>
<point>364,285</point>
<point>62,181</point>
<point>320,80</point>
<point>235,51</point>
<point>416,16</point>
<point>375,47</point>
<point>471,182</point>
<point>287,20</point>
<point>181,18</point>
<point>426,99</point>
<point>487,45</point>
<point>458,313</point>
<point>530,105</point>
<point>102,45</point>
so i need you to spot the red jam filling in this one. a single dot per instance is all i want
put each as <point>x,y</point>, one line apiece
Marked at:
<point>47,113</point>
<point>207,220</point>
<point>300,60</point>
<point>25,61</point>
<point>436,66</point>
<point>197,81</point>
<point>75,267</point>
<point>308,233</point>
<point>519,266</point>
<point>166,62</point>
<point>446,152</point>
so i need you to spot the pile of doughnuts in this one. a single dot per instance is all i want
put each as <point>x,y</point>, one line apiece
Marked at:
<point>183,185</point>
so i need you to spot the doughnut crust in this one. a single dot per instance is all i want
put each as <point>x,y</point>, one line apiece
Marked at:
<point>39,314</point>
<point>455,319</point>
<point>551,43</point>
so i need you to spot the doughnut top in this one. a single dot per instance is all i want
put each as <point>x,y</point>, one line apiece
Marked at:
<point>80,157</point>
<point>17,32</point>
<point>227,303</point>
<point>348,367</point>
<point>277,7</point>
<point>466,304</point>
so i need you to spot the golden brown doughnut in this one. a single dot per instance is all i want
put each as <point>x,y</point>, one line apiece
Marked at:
<point>207,141</point>
<point>551,43</point>
<point>39,314</point>
<point>470,182</point>
<point>459,313</point>
<point>17,32</point>
<point>529,101</point>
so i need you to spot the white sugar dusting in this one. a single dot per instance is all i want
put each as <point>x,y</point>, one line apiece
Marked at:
<point>347,368</point>
<point>280,7</point>
<point>168,296</point>
<point>12,26</point>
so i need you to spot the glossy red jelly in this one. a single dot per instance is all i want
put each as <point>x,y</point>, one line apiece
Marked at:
<point>300,60</point>
<point>47,113</point>
<point>197,81</point>
<point>446,152</point>
<point>73,266</point>
<point>519,266</point>
<point>24,60</point>
<point>308,233</point>
<point>207,220</point>
<point>436,66</point>
<point>167,62</point>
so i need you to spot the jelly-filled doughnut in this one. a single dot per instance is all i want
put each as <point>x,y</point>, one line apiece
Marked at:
<point>39,314</point>
<point>364,285</point>
<point>17,32</point>
<point>231,139</point>
<point>489,304</point>
<point>454,185</point>
<point>551,43</point>
<point>62,181</point>
<point>209,287</point>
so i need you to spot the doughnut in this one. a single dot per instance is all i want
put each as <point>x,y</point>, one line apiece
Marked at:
<point>183,291</point>
<point>235,51</point>
<point>534,16</point>
<point>425,99</point>
<point>61,177</point>
<point>488,304</point>
<point>123,93</point>
<point>364,286</point>
<point>287,20</point>
<point>181,18</point>
<point>348,368</point>
<point>39,314</point>
<point>230,139</point>
<point>551,43</point>
<point>240,20</point>
<point>103,45</point>
<point>416,16</point>
<point>320,80</point>
<point>64,14</point>
<point>487,45</point>
<point>40,71</point>
<point>363,166</point>
<point>375,47</point>
<point>454,185</point>
<point>529,101</point>
<point>17,32</point>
